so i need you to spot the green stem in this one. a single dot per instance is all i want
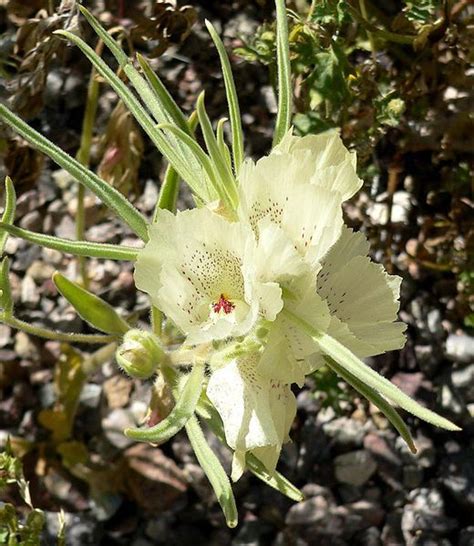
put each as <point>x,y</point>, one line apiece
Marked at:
<point>83,156</point>
<point>380,33</point>
<point>76,248</point>
<point>363,10</point>
<point>53,334</point>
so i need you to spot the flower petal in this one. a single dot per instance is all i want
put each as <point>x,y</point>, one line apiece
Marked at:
<point>257,412</point>
<point>193,259</point>
<point>361,295</point>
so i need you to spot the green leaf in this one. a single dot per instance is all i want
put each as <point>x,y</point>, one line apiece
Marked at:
<point>276,480</point>
<point>156,98</point>
<point>77,248</point>
<point>90,307</point>
<point>345,358</point>
<point>199,154</point>
<point>213,470</point>
<point>9,210</point>
<point>174,113</point>
<point>285,101</point>
<point>108,195</point>
<point>232,100</point>
<point>6,300</point>
<point>221,142</point>
<point>179,416</point>
<point>390,413</point>
<point>184,166</point>
<point>352,364</point>
<point>225,179</point>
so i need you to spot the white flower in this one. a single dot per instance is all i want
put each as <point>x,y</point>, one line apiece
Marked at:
<point>257,412</point>
<point>198,269</point>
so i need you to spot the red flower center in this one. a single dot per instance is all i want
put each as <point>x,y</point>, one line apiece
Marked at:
<point>223,304</point>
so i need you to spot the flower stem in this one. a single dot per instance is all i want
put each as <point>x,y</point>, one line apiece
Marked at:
<point>45,333</point>
<point>83,156</point>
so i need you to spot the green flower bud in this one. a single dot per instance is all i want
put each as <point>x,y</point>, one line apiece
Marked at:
<point>140,354</point>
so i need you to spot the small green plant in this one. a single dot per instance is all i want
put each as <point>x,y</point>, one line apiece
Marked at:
<point>25,529</point>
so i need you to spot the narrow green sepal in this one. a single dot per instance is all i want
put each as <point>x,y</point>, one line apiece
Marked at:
<point>9,210</point>
<point>169,105</point>
<point>373,396</point>
<point>179,416</point>
<point>285,94</point>
<point>232,100</point>
<point>90,307</point>
<point>214,471</point>
<point>226,182</point>
<point>6,300</point>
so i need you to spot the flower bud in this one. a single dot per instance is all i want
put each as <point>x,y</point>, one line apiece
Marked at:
<point>140,354</point>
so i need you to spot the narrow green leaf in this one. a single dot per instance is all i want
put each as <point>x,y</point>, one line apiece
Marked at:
<point>90,307</point>
<point>283,119</point>
<point>108,195</point>
<point>171,152</point>
<point>221,142</point>
<point>6,300</point>
<point>213,469</point>
<point>168,192</point>
<point>169,105</point>
<point>76,248</point>
<point>9,210</point>
<point>227,186</point>
<point>201,157</point>
<point>352,364</point>
<point>180,415</point>
<point>277,481</point>
<point>170,187</point>
<point>373,396</point>
<point>156,98</point>
<point>232,100</point>
<point>55,335</point>
<point>345,358</point>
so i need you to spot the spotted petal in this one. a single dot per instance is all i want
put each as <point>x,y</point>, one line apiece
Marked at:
<point>193,260</point>
<point>362,298</point>
<point>257,412</point>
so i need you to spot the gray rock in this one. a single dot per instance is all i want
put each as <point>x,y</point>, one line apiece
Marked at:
<point>466,536</point>
<point>90,395</point>
<point>460,348</point>
<point>457,475</point>
<point>314,510</point>
<point>32,221</point>
<point>345,431</point>
<point>425,514</point>
<point>463,379</point>
<point>355,467</point>
<point>114,424</point>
